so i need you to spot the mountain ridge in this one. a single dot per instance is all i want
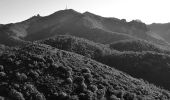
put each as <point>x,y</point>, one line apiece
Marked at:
<point>86,25</point>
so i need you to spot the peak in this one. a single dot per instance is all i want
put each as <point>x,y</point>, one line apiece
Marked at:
<point>70,10</point>
<point>66,11</point>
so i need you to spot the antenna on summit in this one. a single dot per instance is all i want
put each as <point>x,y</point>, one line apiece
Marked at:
<point>66,7</point>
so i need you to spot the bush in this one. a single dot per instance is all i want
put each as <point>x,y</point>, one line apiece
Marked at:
<point>16,95</point>
<point>32,92</point>
<point>2,98</point>
<point>49,60</point>
<point>17,63</point>
<point>35,63</point>
<point>39,96</point>
<point>74,97</point>
<point>68,74</point>
<point>86,70</point>
<point>30,66</point>
<point>83,86</point>
<point>82,96</point>
<point>16,86</point>
<point>113,97</point>
<point>79,79</point>
<point>54,66</point>
<point>119,94</point>
<point>100,93</point>
<point>2,74</point>
<point>33,74</point>
<point>21,77</point>
<point>69,80</point>
<point>89,95</point>
<point>62,69</point>
<point>86,96</point>
<point>1,67</point>
<point>93,88</point>
<point>10,60</point>
<point>63,95</point>
<point>88,77</point>
<point>100,86</point>
<point>129,96</point>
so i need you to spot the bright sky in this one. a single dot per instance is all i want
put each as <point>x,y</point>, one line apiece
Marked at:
<point>148,11</point>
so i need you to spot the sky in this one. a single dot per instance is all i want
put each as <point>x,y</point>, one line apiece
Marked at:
<point>148,11</point>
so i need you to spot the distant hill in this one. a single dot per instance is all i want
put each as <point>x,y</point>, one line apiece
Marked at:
<point>85,25</point>
<point>161,29</point>
<point>137,46</point>
<point>40,72</point>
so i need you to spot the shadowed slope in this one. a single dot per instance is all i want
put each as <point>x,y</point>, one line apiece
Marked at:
<point>39,72</point>
<point>152,66</point>
<point>137,46</point>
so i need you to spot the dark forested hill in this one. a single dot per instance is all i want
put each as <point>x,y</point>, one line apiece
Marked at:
<point>138,46</point>
<point>40,72</point>
<point>139,59</point>
<point>78,45</point>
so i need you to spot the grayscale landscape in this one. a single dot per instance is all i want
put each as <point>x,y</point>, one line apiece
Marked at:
<point>73,55</point>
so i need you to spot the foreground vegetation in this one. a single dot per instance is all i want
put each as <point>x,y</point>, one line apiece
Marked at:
<point>40,72</point>
<point>146,61</point>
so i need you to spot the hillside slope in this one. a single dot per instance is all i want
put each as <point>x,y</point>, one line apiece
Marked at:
<point>78,45</point>
<point>162,30</point>
<point>151,66</point>
<point>137,46</point>
<point>151,63</point>
<point>39,72</point>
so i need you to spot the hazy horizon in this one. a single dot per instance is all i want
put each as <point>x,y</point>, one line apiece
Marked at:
<point>148,11</point>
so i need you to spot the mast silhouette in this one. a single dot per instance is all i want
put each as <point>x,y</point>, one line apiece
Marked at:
<point>66,7</point>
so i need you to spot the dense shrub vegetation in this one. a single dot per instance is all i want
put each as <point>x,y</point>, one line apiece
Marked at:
<point>78,45</point>
<point>40,72</point>
<point>151,66</point>
<point>137,46</point>
<point>139,59</point>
